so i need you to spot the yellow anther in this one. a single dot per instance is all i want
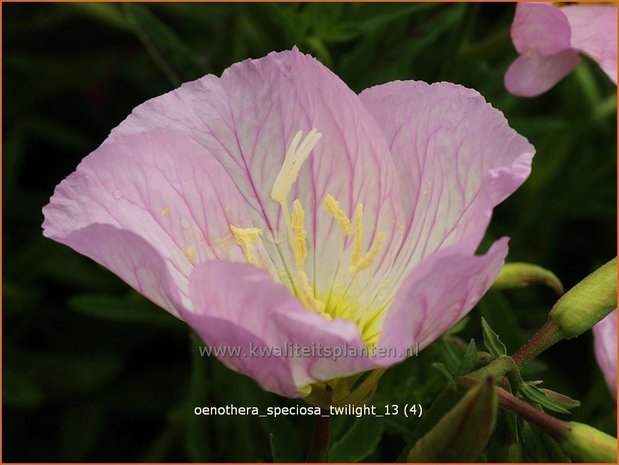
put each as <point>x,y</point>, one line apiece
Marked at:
<point>333,207</point>
<point>190,254</point>
<point>306,296</point>
<point>164,212</point>
<point>358,235</point>
<point>297,153</point>
<point>246,237</point>
<point>299,246</point>
<point>368,258</point>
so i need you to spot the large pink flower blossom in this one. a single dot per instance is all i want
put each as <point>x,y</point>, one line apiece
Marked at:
<point>274,206</point>
<point>549,40</point>
<point>605,337</point>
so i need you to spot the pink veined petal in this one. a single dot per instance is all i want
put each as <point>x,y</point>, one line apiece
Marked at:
<point>540,27</point>
<point>247,118</point>
<point>605,339</point>
<point>439,293</point>
<point>131,258</point>
<point>533,74</point>
<point>240,308</point>
<point>457,158</point>
<point>594,32</point>
<point>160,186</point>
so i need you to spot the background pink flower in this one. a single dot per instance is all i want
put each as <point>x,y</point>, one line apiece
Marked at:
<point>549,39</point>
<point>273,205</point>
<point>605,337</point>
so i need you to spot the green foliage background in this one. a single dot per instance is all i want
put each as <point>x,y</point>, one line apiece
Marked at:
<point>93,372</point>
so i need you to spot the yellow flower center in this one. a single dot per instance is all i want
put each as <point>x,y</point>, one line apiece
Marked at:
<point>330,303</point>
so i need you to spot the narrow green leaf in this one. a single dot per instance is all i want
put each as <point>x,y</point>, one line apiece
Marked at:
<point>450,355</point>
<point>536,395</point>
<point>492,341</point>
<point>359,441</point>
<point>561,399</point>
<point>469,360</point>
<point>449,379</point>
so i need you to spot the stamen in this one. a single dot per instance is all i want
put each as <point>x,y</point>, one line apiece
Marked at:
<point>358,235</point>
<point>333,208</point>
<point>295,157</point>
<point>246,237</point>
<point>307,296</point>
<point>298,229</point>
<point>367,260</point>
<point>164,212</point>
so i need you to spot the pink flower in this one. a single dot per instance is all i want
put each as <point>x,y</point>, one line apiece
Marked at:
<point>274,206</point>
<point>605,338</point>
<point>549,39</point>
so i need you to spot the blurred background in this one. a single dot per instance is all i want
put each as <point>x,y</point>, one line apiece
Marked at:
<point>93,372</point>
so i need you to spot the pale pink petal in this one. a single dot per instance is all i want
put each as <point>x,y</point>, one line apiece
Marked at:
<point>605,338</point>
<point>457,159</point>
<point>131,258</point>
<point>533,73</point>
<point>160,186</point>
<point>247,119</point>
<point>548,40</point>
<point>594,32</point>
<point>540,27</point>
<point>238,307</point>
<point>439,293</point>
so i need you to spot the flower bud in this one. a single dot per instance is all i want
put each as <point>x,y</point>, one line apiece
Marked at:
<point>462,434</point>
<point>586,444</point>
<point>515,275</point>
<point>588,302</point>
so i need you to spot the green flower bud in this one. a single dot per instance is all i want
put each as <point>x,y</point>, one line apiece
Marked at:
<point>588,302</point>
<point>586,444</point>
<point>514,275</point>
<point>462,434</point>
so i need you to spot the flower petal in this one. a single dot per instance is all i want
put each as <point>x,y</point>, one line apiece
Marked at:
<point>247,120</point>
<point>594,32</point>
<point>605,339</point>
<point>240,308</point>
<point>457,158</point>
<point>540,27</point>
<point>159,185</point>
<point>130,257</point>
<point>439,293</point>
<point>533,74</point>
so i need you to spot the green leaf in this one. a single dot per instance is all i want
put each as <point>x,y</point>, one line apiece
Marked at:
<point>359,441</point>
<point>492,341</point>
<point>450,355</point>
<point>538,396</point>
<point>446,373</point>
<point>174,57</point>
<point>469,360</point>
<point>561,399</point>
<point>515,275</point>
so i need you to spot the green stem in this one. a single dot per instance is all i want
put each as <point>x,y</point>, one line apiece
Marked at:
<point>546,336</point>
<point>319,448</point>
